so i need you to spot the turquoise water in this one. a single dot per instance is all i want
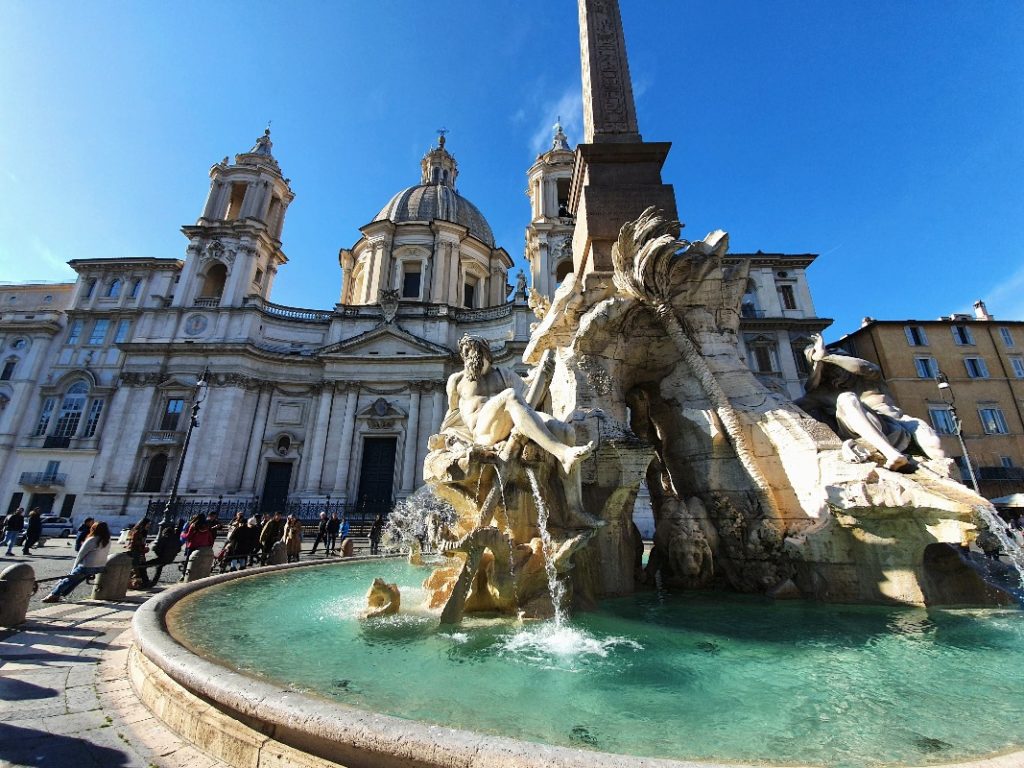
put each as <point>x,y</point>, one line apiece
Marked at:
<point>688,676</point>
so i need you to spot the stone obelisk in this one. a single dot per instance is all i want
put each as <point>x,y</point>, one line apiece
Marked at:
<point>617,174</point>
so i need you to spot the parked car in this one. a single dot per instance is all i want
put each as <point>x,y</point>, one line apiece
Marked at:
<point>54,526</point>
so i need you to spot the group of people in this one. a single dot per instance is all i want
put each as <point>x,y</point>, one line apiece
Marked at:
<point>16,524</point>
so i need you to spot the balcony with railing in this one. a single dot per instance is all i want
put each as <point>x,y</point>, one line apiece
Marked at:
<point>207,301</point>
<point>164,437</point>
<point>43,479</point>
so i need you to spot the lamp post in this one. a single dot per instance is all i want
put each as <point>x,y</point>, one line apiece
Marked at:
<point>198,396</point>
<point>949,398</point>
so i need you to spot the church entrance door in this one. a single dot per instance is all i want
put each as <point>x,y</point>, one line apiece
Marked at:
<point>376,477</point>
<point>275,487</point>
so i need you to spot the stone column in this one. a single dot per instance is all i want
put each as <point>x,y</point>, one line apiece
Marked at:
<point>345,448</point>
<point>315,447</point>
<point>411,438</point>
<point>255,440</point>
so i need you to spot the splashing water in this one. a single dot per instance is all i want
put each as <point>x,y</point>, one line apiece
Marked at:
<point>555,587</point>
<point>552,644</point>
<point>996,525</point>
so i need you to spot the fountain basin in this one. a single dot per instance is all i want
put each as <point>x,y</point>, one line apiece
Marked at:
<point>243,715</point>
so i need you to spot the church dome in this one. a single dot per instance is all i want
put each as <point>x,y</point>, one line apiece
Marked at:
<point>435,197</point>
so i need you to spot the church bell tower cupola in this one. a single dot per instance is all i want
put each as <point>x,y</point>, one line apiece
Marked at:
<point>235,246</point>
<point>549,236</point>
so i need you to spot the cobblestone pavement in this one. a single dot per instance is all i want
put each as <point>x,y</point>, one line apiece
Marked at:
<point>65,699</point>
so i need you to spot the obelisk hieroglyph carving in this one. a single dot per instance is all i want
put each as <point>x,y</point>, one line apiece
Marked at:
<point>609,114</point>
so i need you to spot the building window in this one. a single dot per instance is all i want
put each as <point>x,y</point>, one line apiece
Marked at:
<point>235,203</point>
<point>962,335</point>
<point>44,416</point>
<point>927,368</point>
<point>469,294</point>
<point>213,282</point>
<point>1006,462</point>
<point>172,414</point>
<point>992,421</point>
<point>155,472</point>
<point>786,296</point>
<point>93,419</point>
<point>942,420</point>
<point>763,354</point>
<point>71,410</point>
<point>803,368</point>
<point>963,467</point>
<point>976,367</point>
<point>1007,337</point>
<point>123,326</point>
<point>258,280</point>
<point>99,333</point>
<point>90,288</point>
<point>114,289</point>
<point>74,332</point>
<point>410,281</point>
<point>1018,366</point>
<point>916,336</point>
<point>8,371</point>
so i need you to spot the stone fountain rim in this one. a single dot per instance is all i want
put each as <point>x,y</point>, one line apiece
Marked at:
<point>356,737</point>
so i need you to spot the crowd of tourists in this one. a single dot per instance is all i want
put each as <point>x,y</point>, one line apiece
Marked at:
<point>247,542</point>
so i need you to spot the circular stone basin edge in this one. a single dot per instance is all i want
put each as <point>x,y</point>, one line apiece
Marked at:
<point>246,721</point>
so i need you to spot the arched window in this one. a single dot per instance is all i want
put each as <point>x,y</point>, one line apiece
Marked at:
<point>213,283</point>
<point>8,372</point>
<point>136,287</point>
<point>155,472</point>
<point>90,288</point>
<point>114,289</point>
<point>71,410</point>
<point>564,268</point>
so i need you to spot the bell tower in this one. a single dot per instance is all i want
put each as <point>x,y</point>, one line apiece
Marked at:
<point>549,236</point>
<point>234,248</point>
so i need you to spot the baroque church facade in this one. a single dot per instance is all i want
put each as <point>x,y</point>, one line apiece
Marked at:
<point>100,375</point>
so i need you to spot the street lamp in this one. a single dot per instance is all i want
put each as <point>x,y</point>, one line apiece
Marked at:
<point>950,400</point>
<point>198,396</point>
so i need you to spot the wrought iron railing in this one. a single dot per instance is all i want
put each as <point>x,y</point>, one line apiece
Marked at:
<point>43,479</point>
<point>306,510</point>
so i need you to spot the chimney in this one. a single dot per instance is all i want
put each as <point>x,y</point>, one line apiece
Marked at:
<point>981,311</point>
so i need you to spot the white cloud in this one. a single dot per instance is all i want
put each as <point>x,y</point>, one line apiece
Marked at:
<point>568,107</point>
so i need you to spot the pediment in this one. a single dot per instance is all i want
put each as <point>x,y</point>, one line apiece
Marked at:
<point>386,342</point>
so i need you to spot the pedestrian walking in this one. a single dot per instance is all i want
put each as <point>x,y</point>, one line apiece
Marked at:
<point>14,524</point>
<point>33,530</point>
<point>92,559</point>
<point>321,533</point>
<point>293,539</point>
<point>270,535</point>
<point>333,526</point>
<point>83,530</point>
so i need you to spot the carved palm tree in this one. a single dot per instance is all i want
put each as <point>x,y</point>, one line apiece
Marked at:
<point>653,266</point>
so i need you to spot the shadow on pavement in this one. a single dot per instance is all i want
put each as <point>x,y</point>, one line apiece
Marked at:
<point>12,689</point>
<point>29,747</point>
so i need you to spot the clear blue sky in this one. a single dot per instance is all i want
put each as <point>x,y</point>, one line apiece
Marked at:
<point>886,136</point>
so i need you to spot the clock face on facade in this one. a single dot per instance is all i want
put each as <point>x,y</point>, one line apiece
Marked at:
<point>196,324</point>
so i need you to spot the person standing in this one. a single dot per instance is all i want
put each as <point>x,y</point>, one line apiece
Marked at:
<point>83,530</point>
<point>293,539</point>
<point>137,547</point>
<point>333,526</point>
<point>92,559</point>
<point>321,533</point>
<point>376,530</point>
<point>13,526</point>
<point>270,535</point>
<point>33,530</point>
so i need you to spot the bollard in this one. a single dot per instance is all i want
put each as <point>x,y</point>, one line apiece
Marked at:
<point>347,547</point>
<point>200,563</point>
<point>112,584</point>
<point>17,585</point>
<point>278,554</point>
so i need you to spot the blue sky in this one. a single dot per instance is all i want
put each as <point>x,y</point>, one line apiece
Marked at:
<point>885,136</point>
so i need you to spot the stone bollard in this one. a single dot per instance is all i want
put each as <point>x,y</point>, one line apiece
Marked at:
<point>17,585</point>
<point>200,563</point>
<point>112,584</point>
<point>347,547</point>
<point>278,554</point>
